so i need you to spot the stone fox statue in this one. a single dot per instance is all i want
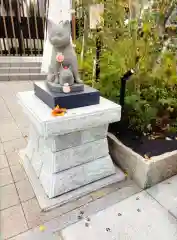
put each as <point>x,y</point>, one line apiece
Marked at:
<point>60,37</point>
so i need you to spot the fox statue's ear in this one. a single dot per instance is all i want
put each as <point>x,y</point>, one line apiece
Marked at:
<point>50,25</point>
<point>66,23</point>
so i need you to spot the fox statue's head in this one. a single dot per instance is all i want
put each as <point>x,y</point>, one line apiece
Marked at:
<point>59,34</point>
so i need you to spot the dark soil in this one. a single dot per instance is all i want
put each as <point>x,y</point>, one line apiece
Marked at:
<point>142,144</point>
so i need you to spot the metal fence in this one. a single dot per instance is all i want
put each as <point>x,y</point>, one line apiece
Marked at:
<point>22,24</point>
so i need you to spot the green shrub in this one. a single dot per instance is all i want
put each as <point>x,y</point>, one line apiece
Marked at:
<point>151,93</point>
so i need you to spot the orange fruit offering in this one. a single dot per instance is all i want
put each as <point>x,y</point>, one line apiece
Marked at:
<point>57,111</point>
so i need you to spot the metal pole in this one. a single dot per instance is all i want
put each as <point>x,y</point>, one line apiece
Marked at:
<point>124,80</point>
<point>13,29</point>
<point>73,20</point>
<point>20,31</point>
<point>5,28</point>
<point>98,54</point>
<point>29,29</point>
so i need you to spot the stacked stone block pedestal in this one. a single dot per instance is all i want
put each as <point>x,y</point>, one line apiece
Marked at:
<point>69,155</point>
<point>62,162</point>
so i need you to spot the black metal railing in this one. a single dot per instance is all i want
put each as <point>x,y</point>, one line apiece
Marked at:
<point>23,23</point>
<point>22,26</point>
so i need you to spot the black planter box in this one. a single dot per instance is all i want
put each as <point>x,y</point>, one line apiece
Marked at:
<point>89,96</point>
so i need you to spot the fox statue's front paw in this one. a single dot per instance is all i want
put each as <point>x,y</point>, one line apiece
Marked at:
<point>56,81</point>
<point>50,78</point>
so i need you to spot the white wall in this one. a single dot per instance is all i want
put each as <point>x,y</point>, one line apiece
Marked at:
<point>58,10</point>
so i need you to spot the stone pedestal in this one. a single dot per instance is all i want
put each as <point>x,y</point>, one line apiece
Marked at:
<point>67,157</point>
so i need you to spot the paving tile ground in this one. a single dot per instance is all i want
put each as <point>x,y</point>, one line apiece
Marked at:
<point>5,177</point>
<point>20,214</point>
<point>12,222</point>
<point>9,196</point>
<point>139,217</point>
<point>3,161</point>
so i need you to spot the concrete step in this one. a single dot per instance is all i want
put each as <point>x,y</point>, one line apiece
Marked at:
<point>20,64</point>
<point>20,61</point>
<point>22,76</point>
<point>9,70</point>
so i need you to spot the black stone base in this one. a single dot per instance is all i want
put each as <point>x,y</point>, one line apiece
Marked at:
<point>89,96</point>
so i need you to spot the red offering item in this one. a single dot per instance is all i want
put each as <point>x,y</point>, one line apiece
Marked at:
<point>60,58</point>
<point>57,111</point>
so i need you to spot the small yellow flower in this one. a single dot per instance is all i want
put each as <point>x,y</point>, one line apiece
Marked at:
<point>98,194</point>
<point>42,228</point>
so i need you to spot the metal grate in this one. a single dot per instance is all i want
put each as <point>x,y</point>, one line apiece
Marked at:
<point>22,24</point>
